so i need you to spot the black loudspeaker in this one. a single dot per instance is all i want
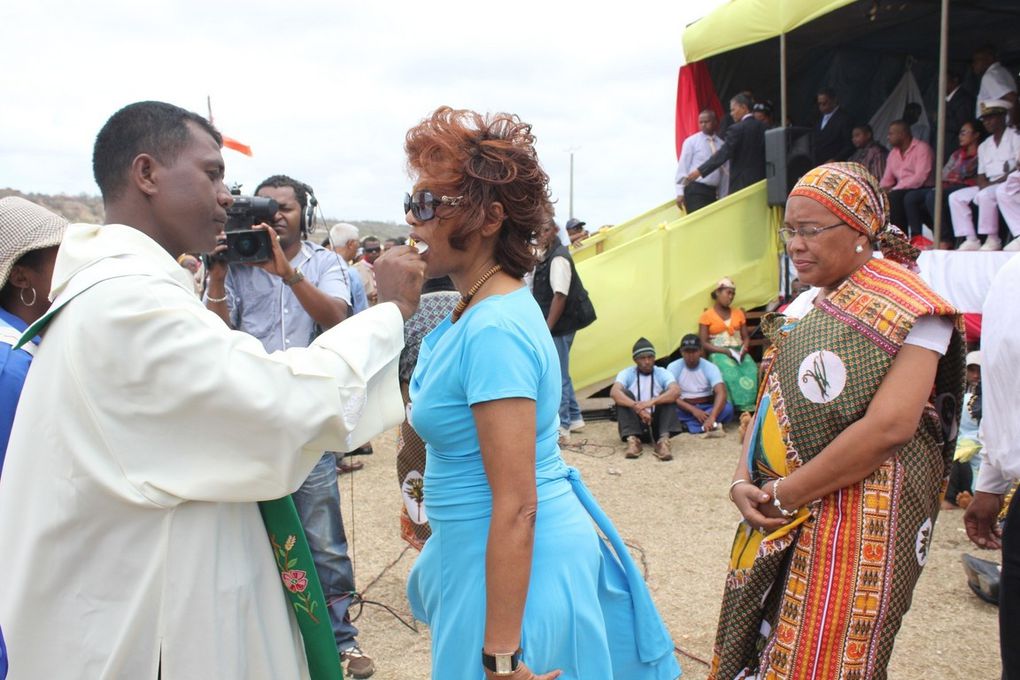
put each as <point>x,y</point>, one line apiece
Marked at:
<point>789,153</point>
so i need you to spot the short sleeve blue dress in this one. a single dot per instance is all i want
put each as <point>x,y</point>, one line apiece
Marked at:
<point>588,610</point>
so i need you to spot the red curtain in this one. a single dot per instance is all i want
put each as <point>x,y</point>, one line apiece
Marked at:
<point>694,93</point>
<point>972,323</point>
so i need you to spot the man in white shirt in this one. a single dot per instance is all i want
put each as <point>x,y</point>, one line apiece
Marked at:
<point>695,150</point>
<point>553,279</point>
<point>996,80</point>
<point>702,405</point>
<point>1000,434</point>
<point>343,239</point>
<point>1007,197</point>
<point>371,248</point>
<point>644,394</point>
<point>147,431</point>
<point>997,157</point>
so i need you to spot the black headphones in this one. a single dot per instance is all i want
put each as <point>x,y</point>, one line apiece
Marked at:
<point>308,217</point>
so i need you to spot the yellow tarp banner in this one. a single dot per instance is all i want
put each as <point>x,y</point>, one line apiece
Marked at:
<point>652,276</point>
<point>739,23</point>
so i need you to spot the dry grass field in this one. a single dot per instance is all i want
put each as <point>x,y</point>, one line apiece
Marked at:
<point>677,516</point>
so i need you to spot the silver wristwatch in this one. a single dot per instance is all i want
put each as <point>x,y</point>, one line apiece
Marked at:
<point>502,664</point>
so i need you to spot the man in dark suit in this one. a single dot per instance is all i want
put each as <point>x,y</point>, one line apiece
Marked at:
<point>833,131</point>
<point>959,110</point>
<point>743,147</point>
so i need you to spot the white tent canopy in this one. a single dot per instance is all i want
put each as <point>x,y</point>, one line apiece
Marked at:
<point>905,92</point>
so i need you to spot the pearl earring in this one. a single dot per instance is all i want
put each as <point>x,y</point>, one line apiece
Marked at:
<point>859,249</point>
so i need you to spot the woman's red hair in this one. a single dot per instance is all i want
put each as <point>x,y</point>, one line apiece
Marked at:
<point>486,159</point>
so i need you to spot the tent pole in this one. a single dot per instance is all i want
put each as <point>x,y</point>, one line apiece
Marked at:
<point>940,125</point>
<point>782,79</point>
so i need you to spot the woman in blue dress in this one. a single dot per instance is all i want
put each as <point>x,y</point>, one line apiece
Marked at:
<point>515,581</point>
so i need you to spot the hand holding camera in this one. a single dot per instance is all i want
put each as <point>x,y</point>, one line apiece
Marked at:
<point>216,262</point>
<point>277,263</point>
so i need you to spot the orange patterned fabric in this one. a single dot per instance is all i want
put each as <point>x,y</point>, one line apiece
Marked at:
<point>852,194</point>
<point>884,300</point>
<point>825,598</point>
<point>717,325</point>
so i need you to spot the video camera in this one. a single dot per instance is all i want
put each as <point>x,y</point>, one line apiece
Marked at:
<point>245,244</point>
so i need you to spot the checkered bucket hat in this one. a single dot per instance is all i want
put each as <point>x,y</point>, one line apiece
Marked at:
<point>24,227</point>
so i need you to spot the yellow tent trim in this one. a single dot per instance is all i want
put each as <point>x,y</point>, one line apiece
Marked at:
<point>739,23</point>
<point>651,276</point>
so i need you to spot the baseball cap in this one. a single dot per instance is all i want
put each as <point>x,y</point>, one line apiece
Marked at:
<point>574,223</point>
<point>690,342</point>
<point>974,358</point>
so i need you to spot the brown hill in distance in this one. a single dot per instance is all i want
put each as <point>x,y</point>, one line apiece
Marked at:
<point>89,209</point>
<point>80,208</point>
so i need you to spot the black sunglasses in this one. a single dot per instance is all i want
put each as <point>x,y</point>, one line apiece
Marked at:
<point>422,204</point>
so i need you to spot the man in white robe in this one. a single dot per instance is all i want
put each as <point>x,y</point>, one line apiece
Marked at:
<point>132,543</point>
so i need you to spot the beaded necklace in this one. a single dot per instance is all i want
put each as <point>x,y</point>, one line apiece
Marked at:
<point>465,299</point>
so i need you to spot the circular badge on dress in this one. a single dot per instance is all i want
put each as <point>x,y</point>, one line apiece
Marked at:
<point>413,489</point>
<point>922,546</point>
<point>821,376</point>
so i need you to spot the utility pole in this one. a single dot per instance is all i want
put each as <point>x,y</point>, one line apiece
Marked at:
<point>571,184</point>
<point>571,151</point>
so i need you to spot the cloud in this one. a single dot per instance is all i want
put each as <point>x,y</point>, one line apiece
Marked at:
<point>325,91</point>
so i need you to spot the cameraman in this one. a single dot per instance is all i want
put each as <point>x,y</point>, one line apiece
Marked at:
<point>284,303</point>
<point>252,298</point>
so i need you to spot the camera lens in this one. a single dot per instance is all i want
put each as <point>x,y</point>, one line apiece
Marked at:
<point>247,245</point>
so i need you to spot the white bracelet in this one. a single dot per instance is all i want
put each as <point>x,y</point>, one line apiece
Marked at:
<point>775,500</point>
<point>735,483</point>
<point>210,298</point>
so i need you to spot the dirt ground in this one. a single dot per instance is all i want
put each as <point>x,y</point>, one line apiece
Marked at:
<point>678,518</point>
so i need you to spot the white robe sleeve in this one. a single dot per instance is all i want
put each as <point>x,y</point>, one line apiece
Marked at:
<point>190,410</point>
<point>1000,382</point>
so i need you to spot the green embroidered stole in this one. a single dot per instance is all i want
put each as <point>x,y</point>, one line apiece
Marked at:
<point>301,582</point>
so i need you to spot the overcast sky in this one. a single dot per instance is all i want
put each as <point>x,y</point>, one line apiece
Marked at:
<point>324,91</point>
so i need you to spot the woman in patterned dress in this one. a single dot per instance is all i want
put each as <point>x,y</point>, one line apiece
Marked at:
<point>724,335</point>
<point>848,453</point>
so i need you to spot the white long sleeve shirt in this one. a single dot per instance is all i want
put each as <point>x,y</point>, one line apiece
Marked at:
<point>1000,381</point>
<point>146,432</point>
<point>695,150</point>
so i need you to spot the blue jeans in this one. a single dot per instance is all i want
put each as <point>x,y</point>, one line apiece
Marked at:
<point>569,410</point>
<point>318,505</point>
<point>692,424</point>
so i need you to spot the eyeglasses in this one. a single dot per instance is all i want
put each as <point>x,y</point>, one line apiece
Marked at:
<point>422,204</point>
<point>806,233</point>
<point>376,249</point>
